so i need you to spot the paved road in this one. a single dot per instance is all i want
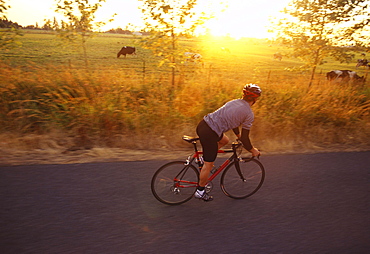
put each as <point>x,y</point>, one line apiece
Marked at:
<point>317,203</point>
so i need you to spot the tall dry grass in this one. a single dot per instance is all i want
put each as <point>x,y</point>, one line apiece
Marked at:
<point>326,115</point>
<point>115,109</point>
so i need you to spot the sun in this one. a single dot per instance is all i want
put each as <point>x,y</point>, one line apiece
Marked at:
<point>244,18</point>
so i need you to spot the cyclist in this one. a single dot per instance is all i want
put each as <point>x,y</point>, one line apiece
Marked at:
<point>210,130</point>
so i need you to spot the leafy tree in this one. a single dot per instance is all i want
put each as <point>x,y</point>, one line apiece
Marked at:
<point>9,31</point>
<point>47,25</point>
<point>5,23</point>
<point>323,28</point>
<point>119,31</point>
<point>167,21</point>
<point>55,23</point>
<point>3,8</point>
<point>80,24</point>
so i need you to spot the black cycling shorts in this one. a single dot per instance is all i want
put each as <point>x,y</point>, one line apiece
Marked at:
<point>209,141</point>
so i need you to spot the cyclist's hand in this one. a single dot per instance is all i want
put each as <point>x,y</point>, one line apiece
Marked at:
<point>254,151</point>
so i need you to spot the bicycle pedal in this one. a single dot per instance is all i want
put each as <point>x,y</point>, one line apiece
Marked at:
<point>207,200</point>
<point>210,198</point>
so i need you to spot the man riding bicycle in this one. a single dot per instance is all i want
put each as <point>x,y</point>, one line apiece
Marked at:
<point>211,130</point>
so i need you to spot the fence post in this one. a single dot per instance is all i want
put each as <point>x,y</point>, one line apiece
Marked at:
<point>268,77</point>
<point>143,72</point>
<point>209,74</point>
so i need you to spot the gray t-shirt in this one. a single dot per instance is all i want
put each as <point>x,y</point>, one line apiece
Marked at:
<point>233,114</point>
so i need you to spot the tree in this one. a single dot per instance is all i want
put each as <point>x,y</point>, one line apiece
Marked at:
<point>47,25</point>
<point>3,8</point>
<point>80,25</point>
<point>55,24</point>
<point>321,28</point>
<point>9,31</point>
<point>167,21</point>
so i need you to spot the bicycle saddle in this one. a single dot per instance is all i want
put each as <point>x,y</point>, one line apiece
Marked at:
<point>189,139</point>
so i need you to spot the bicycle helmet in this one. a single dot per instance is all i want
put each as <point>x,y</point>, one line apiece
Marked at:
<point>251,91</point>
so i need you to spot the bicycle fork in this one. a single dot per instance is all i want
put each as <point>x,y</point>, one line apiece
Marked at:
<point>237,166</point>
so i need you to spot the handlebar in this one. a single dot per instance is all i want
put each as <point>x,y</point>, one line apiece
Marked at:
<point>236,144</point>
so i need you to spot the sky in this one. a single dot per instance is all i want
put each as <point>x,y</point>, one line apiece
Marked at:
<point>241,18</point>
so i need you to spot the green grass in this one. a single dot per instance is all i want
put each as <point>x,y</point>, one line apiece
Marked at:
<point>131,102</point>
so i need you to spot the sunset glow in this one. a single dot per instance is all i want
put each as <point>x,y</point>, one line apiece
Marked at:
<point>234,18</point>
<point>245,18</point>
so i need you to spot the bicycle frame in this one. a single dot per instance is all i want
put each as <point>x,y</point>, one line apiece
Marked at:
<point>196,157</point>
<point>175,182</point>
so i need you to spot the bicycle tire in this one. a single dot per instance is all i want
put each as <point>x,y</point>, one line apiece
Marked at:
<point>168,191</point>
<point>233,186</point>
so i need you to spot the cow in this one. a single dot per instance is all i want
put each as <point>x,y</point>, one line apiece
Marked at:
<point>193,57</point>
<point>278,56</point>
<point>363,62</point>
<point>344,76</point>
<point>226,50</point>
<point>126,50</point>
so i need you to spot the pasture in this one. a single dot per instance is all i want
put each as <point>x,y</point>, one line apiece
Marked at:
<point>129,102</point>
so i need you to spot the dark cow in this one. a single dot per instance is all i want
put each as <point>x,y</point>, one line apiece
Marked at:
<point>344,76</point>
<point>193,57</point>
<point>126,50</point>
<point>278,56</point>
<point>362,62</point>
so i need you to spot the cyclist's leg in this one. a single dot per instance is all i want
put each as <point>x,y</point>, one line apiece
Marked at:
<point>201,192</point>
<point>223,141</point>
<point>209,141</point>
<point>204,173</point>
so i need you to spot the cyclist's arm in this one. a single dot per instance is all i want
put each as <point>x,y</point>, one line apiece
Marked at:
<point>237,132</point>
<point>247,143</point>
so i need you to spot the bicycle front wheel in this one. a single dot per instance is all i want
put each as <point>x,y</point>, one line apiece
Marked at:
<point>175,183</point>
<point>244,183</point>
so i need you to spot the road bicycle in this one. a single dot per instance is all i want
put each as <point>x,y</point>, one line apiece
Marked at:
<point>175,183</point>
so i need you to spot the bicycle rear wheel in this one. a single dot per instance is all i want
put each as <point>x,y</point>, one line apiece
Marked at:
<point>245,185</point>
<point>175,183</point>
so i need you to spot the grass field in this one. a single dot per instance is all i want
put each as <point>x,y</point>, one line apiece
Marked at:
<point>129,102</point>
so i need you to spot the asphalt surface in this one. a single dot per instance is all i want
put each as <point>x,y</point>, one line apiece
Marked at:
<point>309,203</point>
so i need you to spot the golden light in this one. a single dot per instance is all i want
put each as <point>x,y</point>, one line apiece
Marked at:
<point>235,18</point>
<point>244,18</point>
